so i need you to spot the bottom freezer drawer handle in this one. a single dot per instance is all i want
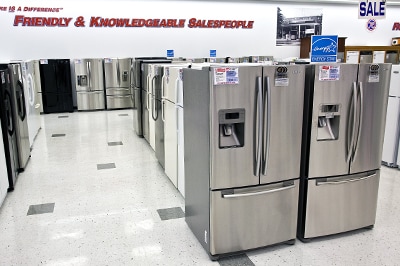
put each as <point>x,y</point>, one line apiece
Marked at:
<point>257,193</point>
<point>344,181</point>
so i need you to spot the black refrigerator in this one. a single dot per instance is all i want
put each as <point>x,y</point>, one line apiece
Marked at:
<point>55,75</point>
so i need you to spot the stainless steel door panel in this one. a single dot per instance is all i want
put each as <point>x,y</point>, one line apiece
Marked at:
<point>111,72</point>
<point>341,204</point>
<point>117,102</point>
<point>234,167</point>
<point>81,67</point>
<point>96,75</point>
<point>255,217</point>
<point>328,157</point>
<point>145,117</point>
<point>124,71</point>
<point>286,117</point>
<point>91,100</point>
<point>368,153</point>
<point>118,91</point>
<point>171,142</point>
<point>391,141</point>
<point>137,111</point>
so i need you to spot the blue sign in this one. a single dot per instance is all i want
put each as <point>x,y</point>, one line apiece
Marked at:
<point>324,48</point>
<point>170,53</point>
<point>213,53</point>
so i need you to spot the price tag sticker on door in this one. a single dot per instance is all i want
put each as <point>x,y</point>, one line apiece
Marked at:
<point>329,73</point>
<point>226,75</point>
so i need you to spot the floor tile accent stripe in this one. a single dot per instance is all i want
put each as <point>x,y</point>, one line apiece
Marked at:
<point>123,115</point>
<point>41,208</point>
<point>239,260</point>
<point>58,135</point>
<point>63,116</point>
<point>115,143</point>
<point>171,213</point>
<point>103,166</point>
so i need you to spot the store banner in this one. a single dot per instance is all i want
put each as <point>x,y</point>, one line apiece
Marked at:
<point>372,9</point>
<point>51,17</point>
<point>324,48</point>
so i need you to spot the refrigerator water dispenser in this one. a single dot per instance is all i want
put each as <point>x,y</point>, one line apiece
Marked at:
<point>82,80</point>
<point>231,128</point>
<point>328,122</point>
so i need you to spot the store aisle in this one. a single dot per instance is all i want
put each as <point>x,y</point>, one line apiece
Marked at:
<point>106,201</point>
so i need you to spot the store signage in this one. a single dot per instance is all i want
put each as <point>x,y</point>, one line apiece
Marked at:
<point>372,9</point>
<point>324,48</point>
<point>170,53</point>
<point>213,53</point>
<point>396,26</point>
<point>26,20</point>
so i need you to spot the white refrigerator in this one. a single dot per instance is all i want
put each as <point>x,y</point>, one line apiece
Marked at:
<point>392,129</point>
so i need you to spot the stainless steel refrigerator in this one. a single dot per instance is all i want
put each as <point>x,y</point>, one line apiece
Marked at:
<point>19,114</point>
<point>343,135</point>
<point>89,80</point>
<point>117,80</point>
<point>33,101</point>
<point>242,145</point>
<point>392,129</point>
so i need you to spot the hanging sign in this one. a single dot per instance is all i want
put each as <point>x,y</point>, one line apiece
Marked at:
<point>372,9</point>
<point>213,53</point>
<point>324,48</point>
<point>170,53</point>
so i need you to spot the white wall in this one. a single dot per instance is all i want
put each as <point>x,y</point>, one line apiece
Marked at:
<point>73,42</point>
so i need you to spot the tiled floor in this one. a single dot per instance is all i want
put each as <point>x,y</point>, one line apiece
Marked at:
<point>115,216</point>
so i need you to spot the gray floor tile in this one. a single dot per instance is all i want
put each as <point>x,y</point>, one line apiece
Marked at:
<point>239,260</point>
<point>58,135</point>
<point>41,208</point>
<point>123,115</point>
<point>115,143</point>
<point>63,116</point>
<point>171,213</point>
<point>103,166</point>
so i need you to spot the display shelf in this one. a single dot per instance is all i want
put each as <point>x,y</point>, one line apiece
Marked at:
<point>372,54</point>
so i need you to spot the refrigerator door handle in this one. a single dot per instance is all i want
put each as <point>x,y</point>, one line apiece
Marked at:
<point>148,92</point>
<point>267,127</point>
<point>154,112</point>
<point>319,183</point>
<point>350,148</point>
<point>361,114</point>
<point>257,193</point>
<point>164,78</point>
<point>176,90</point>
<point>118,74</point>
<point>258,128</point>
<point>89,67</point>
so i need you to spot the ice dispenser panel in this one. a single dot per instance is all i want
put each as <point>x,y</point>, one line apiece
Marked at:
<point>328,122</point>
<point>231,128</point>
<point>125,76</point>
<point>82,80</point>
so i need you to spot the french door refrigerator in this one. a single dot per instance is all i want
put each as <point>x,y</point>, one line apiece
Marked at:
<point>55,77</point>
<point>89,80</point>
<point>242,144</point>
<point>392,129</point>
<point>117,79</point>
<point>31,76</point>
<point>139,91</point>
<point>345,111</point>
<point>7,120</point>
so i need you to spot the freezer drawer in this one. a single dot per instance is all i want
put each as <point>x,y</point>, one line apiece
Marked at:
<point>90,100</point>
<point>253,217</point>
<point>336,205</point>
<point>119,101</point>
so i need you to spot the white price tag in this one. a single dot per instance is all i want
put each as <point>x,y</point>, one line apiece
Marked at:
<point>373,78</point>
<point>107,60</point>
<point>329,73</point>
<point>281,82</point>
<point>226,75</point>
<point>44,61</point>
